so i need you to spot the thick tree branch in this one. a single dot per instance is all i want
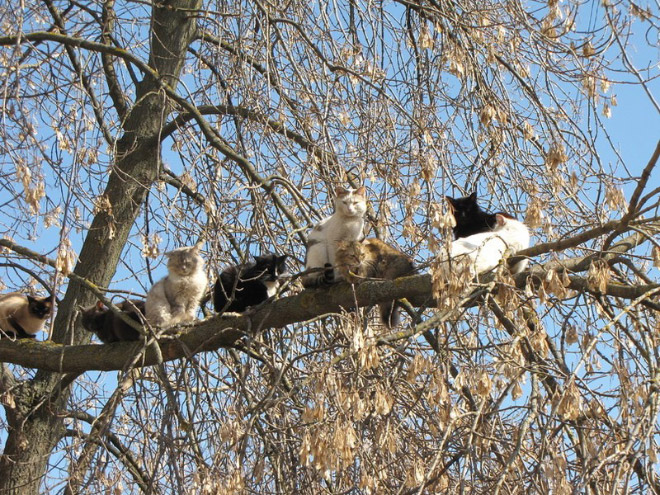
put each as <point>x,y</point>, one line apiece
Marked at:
<point>226,330</point>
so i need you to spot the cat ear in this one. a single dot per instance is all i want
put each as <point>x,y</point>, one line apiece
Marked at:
<point>473,196</point>
<point>99,305</point>
<point>341,191</point>
<point>500,219</point>
<point>31,299</point>
<point>361,191</point>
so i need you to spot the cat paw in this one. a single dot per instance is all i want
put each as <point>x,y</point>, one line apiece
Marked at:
<point>231,314</point>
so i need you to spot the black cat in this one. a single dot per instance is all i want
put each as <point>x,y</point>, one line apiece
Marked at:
<point>108,327</point>
<point>241,286</point>
<point>470,218</point>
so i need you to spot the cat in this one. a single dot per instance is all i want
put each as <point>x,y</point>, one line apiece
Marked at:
<point>470,218</point>
<point>23,316</point>
<point>345,224</point>
<point>109,327</point>
<point>485,250</point>
<point>373,258</point>
<point>176,297</point>
<point>249,284</point>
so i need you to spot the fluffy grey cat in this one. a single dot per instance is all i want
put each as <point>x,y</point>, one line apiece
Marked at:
<point>175,298</point>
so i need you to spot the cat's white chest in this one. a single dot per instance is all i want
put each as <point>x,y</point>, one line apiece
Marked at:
<point>271,287</point>
<point>350,230</point>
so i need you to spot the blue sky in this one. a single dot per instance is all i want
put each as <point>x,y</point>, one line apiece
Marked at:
<point>634,129</point>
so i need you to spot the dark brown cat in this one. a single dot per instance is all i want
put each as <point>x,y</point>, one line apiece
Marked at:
<point>108,327</point>
<point>373,258</point>
<point>22,316</point>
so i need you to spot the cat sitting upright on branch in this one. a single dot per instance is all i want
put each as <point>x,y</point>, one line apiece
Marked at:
<point>176,298</point>
<point>345,224</point>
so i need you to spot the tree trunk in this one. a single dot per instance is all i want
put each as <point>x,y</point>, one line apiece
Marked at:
<point>34,424</point>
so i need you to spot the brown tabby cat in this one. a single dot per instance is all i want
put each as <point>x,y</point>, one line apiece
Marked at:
<point>372,258</point>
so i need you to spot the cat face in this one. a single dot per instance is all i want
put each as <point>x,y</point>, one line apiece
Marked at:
<point>351,202</point>
<point>271,266</point>
<point>40,307</point>
<point>350,252</point>
<point>91,313</point>
<point>184,261</point>
<point>464,208</point>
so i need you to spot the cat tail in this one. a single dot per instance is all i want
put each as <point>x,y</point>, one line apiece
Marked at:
<point>390,314</point>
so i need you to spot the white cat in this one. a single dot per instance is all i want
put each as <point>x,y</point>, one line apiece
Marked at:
<point>176,297</point>
<point>486,249</point>
<point>345,224</point>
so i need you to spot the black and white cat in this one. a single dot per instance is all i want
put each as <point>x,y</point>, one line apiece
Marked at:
<point>109,327</point>
<point>22,316</point>
<point>345,224</point>
<point>176,297</point>
<point>470,218</point>
<point>485,250</point>
<point>249,284</point>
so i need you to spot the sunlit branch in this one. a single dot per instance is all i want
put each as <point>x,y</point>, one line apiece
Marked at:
<point>84,79</point>
<point>254,116</point>
<point>225,331</point>
<point>117,95</point>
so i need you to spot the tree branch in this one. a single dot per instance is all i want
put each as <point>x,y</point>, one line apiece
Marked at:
<point>116,448</point>
<point>253,116</point>
<point>226,330</point>
<point>96,106</point>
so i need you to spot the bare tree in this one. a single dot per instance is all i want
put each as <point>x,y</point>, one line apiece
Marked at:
<point>129,128</point>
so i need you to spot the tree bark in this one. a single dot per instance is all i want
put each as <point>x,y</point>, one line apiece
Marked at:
<point>35,427</point>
